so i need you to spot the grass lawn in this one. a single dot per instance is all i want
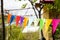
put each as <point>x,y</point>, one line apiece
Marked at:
<point>16,34</point>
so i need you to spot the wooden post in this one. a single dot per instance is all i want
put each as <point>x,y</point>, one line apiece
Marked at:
<point>38,5</point>
<point>3,24</point>
<point>33,8</point>
<point>10,30</point>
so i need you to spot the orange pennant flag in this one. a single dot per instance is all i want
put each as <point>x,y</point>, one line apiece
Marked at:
<point>25,22</point>
<point>9,16</point>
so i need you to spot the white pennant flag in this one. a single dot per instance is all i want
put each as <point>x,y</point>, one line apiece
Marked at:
<point>31,19</point>
<point>36,21</point>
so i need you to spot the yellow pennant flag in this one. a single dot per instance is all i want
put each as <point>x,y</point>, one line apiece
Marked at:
<point>9,16</point>
<point>47,23</point>
<point>25,22</point>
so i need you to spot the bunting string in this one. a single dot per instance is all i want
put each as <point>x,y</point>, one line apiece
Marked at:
<point>25,21</point>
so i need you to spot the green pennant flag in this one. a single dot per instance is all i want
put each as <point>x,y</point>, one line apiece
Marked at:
<point>41,23</point>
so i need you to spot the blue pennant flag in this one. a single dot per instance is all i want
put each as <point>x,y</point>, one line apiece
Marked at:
<point>12,18</point>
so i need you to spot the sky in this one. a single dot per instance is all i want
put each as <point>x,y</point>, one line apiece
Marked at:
<point>12,4</point>
<point>15,4</point>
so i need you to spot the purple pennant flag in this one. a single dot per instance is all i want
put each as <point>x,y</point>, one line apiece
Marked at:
<point>21,20</point>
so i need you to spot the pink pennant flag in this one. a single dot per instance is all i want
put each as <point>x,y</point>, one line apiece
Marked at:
<point>59,20</point>
<point>55,23</point>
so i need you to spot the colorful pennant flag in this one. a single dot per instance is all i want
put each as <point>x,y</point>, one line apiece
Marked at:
<point>31,19</point>
<point>36,21</point>
<point>9,17</point>
<point>59,20</point>
<point>47,23</point>
<point>17,20</point>
<point>12,18</point>
<point>41,23</point>
<point>25,22</point>
<point>21,20</point>
<point>55,23</point>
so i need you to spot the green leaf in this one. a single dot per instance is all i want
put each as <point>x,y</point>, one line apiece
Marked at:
<point>19,0</point>
<point>24,5</point>
<point>34,1</point>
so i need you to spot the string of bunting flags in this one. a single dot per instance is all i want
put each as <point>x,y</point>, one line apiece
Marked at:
<point>25,21</point>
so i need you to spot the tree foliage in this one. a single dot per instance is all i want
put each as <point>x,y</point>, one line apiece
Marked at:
<point>24,5</point>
